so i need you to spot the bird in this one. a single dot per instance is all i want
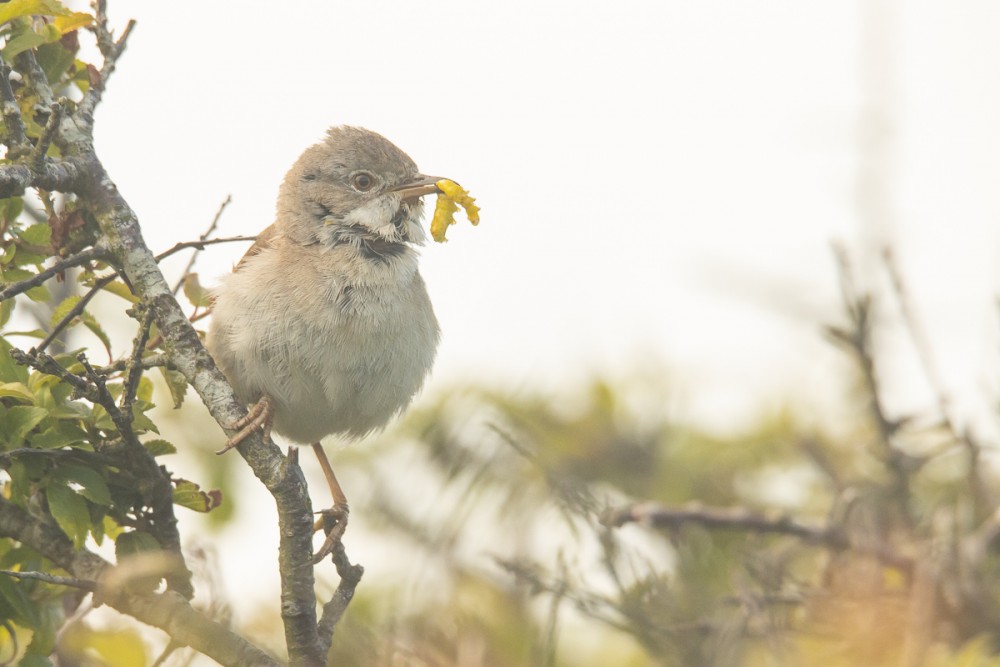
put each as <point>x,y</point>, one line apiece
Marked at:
<point>325,326</point>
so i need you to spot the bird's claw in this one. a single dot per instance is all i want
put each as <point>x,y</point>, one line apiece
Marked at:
<point>261,415</point>
<point>333,522</point>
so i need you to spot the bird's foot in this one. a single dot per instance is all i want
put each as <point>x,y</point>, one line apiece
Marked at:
<point>333,522</point>
<point>261,415</point>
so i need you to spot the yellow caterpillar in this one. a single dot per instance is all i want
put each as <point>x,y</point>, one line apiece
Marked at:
<point>451,196</point>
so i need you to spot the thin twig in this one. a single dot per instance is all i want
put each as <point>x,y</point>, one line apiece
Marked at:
<point>27,65</point>
<point>41,149</point>
<point>18,140</point>
<point>135,364</point>
<point>203,237</point>
<point>111,50</point>
<point>45,364</point>
<point>122,420</point>
<point>79,258</point>
<point>161,360</point>
<point>859,341</point>
<point>72,582</point>
<point>201,244</point>
<point>740,518</point>
<point>333,611</point>
<point>921,342</point>
<point>75,311</point>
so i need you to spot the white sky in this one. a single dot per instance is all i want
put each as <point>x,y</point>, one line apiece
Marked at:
<point>659,181</point>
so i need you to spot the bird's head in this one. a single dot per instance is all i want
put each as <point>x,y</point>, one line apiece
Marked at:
<point>353,187</point>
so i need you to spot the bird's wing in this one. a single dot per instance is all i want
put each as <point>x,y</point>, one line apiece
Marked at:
<point>265,240</point>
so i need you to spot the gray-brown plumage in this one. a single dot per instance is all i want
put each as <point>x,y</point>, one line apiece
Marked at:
<point>326,321</point>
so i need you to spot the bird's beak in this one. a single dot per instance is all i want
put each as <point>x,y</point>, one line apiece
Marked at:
<point>417,187</point>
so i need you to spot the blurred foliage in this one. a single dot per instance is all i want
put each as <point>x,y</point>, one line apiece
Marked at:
<point>500,509</point>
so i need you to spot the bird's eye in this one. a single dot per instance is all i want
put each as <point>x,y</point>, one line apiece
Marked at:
<point>362,181</point>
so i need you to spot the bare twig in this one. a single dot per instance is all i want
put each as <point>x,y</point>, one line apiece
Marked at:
<point>122,419</point>
<point>37,159</point>
<point>72,582</point>
<point>858,340</point>
<point>740,518</point>
<point>111,50</point>
<point>203,237</point>
<point>135,367</point>
<point>27,65</point>
<point>46,364</point>
<point>79,258</point>
<point>201,245</point>
<point>18,141</point>
<point>333,611</point>
<point>153,361</point>
<point>963,436</point>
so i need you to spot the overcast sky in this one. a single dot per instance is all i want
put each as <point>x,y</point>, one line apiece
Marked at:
<point>660,181</point>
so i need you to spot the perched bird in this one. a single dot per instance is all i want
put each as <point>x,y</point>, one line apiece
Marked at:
<point>325,325</point>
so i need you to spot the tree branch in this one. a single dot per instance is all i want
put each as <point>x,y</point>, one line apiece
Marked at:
<point>169,612</point>
<point>740,518</point>
<point>79,258</point>
<point>350,576</point>
<point>284,479</point>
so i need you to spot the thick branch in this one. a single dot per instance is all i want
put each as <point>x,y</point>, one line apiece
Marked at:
<point>61,176</point>
<point>282,478</point>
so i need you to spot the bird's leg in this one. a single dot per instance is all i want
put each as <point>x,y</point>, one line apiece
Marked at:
<point>334,520</point>
<point>261,415</point>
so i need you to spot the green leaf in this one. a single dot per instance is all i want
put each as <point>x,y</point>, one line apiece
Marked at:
<point>8,252</point>
<point>94,488</point>
<point>40,234</point>
<point>69,509</point>
<point>140,421</point>
<point>118,288</point>
<point>26,255</point>
<point>135,545</point>
<point>40,294</point>
<point>16,390</point>
<point>176,383</point>
<point>188,494</point>
<point>159,447</point>
<point>10,371</point>
<point>35,660</point>
<point>34,333</point>
<point>62,310</point>
<point>15,603</point>
<point>29,38</point>
<point>17,8</point>
<point>144,392</point>
<point>57,437</point>
<point>55,59</point>
<point>11,207</point>
<point>17,422</point>
<point>6,308</point>
<point>197,295</point>
<point>73,21</point>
